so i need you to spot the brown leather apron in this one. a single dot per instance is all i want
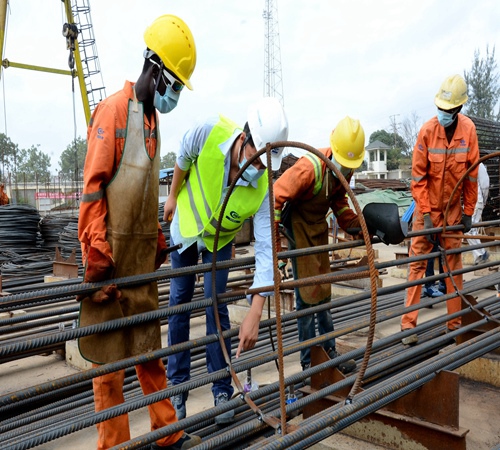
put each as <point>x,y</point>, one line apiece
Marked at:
<point>132,232</point>
<point>309,228</point>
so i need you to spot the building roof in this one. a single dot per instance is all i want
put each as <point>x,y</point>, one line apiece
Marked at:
<point>377,145</point>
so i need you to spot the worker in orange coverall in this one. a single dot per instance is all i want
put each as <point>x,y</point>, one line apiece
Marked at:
<point>119,229</point>
<point>310,189</point>
<point>446,147</point>
<point>4,199</point>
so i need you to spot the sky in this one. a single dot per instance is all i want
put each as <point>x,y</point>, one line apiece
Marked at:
<point>375,61</point>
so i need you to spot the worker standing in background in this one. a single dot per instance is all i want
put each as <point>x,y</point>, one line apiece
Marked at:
<point>119,229</point>
<point>480,254</point>
<point>446,147</point>
<point>4,199</point>
<point>210,156</point>
<point>310,189</point>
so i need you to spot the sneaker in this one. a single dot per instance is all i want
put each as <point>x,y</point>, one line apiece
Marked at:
<point>432,291</point>
<point>412,339</point>
<point>226,417</point>
<point>346,366</point>
<point>179,404</point>
<point>185,442</point>
<point>483,258</point>
<point>442,287</point>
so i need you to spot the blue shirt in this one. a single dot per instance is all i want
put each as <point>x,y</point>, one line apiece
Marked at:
<point>191,145</point>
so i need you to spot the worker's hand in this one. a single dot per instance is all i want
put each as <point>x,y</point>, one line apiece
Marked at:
<point>169,208</point>
<point>278,236</point>
<point>161,250</point>
<point>466,222</point>
<point>249,330</point>
<point>105,294</point>
<point>427,226</point>
<point>99,266</point>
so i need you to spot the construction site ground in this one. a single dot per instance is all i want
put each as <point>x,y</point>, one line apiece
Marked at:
<point>479,410</point>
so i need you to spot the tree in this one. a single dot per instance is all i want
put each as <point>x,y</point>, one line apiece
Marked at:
<point>8,154</point>
<point>168,161</point>
<point>73,159</point>
<point>409,129</point>
<point>483,86</point>
<point>33,165</point>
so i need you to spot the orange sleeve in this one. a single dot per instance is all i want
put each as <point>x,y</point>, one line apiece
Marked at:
<point>100,166</point>
<point>419,169</point>
<point>470,186</point>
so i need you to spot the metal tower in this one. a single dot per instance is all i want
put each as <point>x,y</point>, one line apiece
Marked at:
<point>273,78</point>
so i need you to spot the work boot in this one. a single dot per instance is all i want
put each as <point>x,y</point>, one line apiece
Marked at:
<point>482,258</point>
<point>179,404</point>
<point>346,366</point>
<point>226,417</point>
<point>412,339</point>
<point>185,442</point>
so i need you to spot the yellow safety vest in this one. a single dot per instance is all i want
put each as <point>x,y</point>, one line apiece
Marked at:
<point>200,200</point>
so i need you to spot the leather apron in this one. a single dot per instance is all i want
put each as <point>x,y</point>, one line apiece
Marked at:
<point>309,229</point>
<point>132,232</point>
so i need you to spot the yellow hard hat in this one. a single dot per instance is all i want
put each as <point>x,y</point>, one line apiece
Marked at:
<point>348,143</point>
<point>171,39</point>
<point>452,93</point>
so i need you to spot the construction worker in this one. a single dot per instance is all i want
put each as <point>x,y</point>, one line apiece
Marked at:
<point>446,147</point>
<point>4,199</point>
<point>309,190</point>
<point>480,255</point>
<point>210,156</point>
<point>119,229</point>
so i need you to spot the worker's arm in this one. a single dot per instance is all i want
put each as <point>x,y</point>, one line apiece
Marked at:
<point>419,172</point>
<point>249,330</point>
<point>171,203</point>
<point>470,189</point>
<point>100,164</point>
<point>191,145</point>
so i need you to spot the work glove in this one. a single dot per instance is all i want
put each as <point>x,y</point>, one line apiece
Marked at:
<point>427,226</point>
<point>105,294</point>
<point>466,222</point>
<point>99,266</point>
<point>161,250</point>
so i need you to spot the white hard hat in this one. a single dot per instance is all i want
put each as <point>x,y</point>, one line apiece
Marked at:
<point>268,123</point>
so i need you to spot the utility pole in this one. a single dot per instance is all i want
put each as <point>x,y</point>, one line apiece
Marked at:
<point>273,77</point>
<point>394,128</point>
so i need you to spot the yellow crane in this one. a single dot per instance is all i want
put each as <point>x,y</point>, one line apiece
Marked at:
<point>83,61</point>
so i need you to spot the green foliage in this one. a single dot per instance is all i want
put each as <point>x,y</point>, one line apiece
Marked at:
<point>168,161</point>
<point>73,159</point>
<point>483,86</point>
<point>8,157</point>
<point>33,165</point>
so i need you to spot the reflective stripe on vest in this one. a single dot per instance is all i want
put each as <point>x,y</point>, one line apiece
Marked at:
<point>318,173</point>
<point>200,200</point>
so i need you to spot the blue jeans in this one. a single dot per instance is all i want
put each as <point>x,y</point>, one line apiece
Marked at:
<point>429,271</point>
<point>181,291</point>
<point>307,327</point>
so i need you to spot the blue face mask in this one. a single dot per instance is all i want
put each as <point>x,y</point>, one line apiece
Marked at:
<point>251,173</point>
<point>346,171</point>
<point>445,118</point>
<point>166,102</point>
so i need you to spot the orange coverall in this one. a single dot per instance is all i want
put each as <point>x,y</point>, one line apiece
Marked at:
<point>437,167</point>
<point>4,199</point>
<point>105,142</point>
